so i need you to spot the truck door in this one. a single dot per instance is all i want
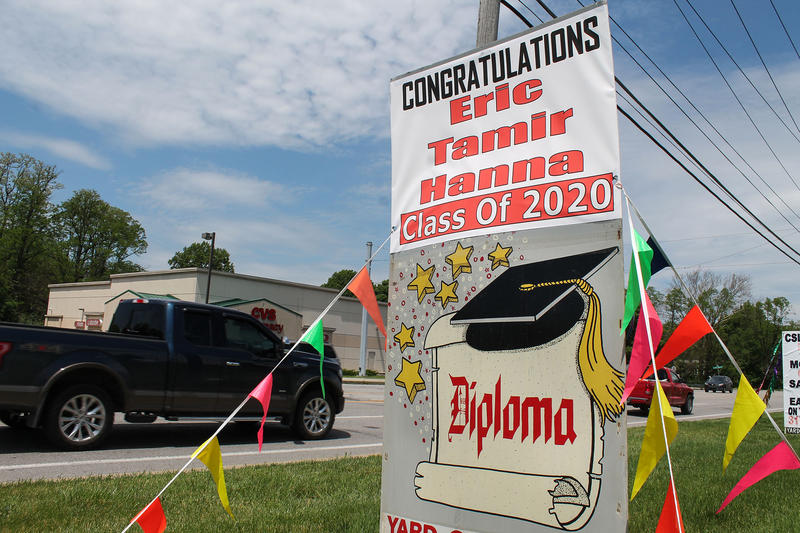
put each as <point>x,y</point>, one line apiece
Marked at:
<point>250,354</point>
<point>197,366</point>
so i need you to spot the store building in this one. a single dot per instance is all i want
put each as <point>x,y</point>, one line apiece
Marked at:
<point>287,308</point>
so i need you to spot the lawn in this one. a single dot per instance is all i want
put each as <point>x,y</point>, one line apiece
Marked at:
<point>344,494</point>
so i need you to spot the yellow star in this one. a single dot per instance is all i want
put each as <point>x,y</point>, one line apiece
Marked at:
<point>405,337</point>
<point>422,282</point>
<point>447,293</point>
<point>410,378</point>
<point>500,256</point>
<point>459,260</point>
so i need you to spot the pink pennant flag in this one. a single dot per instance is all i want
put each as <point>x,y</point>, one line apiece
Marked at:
<point>671,519</point>
<point>641,355</point>
<point>692,328</point>
<point>362,287</point>
<point>262,393</point>
<point>151,519</point>
<point>781,457</point>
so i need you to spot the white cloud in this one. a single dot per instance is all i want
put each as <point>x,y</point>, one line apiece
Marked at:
<point>290,74</point>
<point>66,148</point>
<point>191,190</point>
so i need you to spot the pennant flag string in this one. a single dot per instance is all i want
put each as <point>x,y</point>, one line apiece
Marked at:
<point>781,457</point>
<point>152,519</point>
<point>203,446</point>
<point>669,521</point>
<point>361,286</point>
<point>747,409</point>
<point>664,413</point>
<point>641,353</point>
<point>691,329</point>
<point>262,393</point>
<point>733,361</point>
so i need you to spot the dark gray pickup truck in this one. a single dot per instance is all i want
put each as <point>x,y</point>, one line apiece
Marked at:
<point>160,358</point>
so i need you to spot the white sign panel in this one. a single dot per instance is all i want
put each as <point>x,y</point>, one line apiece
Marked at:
<point>505,365</point>
<point>791,381</point>
<point>519,135</point>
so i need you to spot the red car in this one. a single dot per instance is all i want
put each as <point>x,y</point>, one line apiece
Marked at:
<point>678,393</point>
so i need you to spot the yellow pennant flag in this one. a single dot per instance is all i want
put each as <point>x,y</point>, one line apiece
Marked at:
<point>211,456</point>
<point>653,443</point>
<point>747,410</point>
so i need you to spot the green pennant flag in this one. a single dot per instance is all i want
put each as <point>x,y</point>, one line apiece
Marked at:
<point>314,337</point>
<point>632,297</point>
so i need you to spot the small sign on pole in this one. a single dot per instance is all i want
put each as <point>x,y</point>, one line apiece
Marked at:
<point>791,381</point>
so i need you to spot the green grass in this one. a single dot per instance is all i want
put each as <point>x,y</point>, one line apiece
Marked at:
<point>343,495</point>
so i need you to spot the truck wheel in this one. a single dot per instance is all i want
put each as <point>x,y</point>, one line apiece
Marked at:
<point>13,419</point>
<point>79,417</point>
<point>314,416</point>
<point>688,405</point>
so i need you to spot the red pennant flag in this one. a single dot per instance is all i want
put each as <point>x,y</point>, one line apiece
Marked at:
<point>262,393</point>
<point>362,287</point>
<point>641,356</point>
<point>692,328</point>
<point>151,519</point>
<point>671,519</point>
<point>781,457</point>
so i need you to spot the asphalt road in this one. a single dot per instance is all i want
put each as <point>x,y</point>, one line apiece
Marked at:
<point>167,446</point>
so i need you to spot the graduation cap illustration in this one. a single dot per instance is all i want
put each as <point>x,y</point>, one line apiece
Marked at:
<point>531,304</point>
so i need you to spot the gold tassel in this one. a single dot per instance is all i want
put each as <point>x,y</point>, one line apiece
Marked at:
<point>604,382</point>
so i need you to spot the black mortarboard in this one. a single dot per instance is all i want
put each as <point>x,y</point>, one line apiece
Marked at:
<point>531,304</point>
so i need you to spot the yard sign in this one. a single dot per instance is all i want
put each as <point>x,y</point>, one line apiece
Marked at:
<point>506,366</point>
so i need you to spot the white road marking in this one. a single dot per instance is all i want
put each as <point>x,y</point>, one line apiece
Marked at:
<point>185,457</point>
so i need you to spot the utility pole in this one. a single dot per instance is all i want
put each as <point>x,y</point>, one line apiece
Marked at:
<point>362,370</point>
<point>488,20</point>
<point>210,237</point>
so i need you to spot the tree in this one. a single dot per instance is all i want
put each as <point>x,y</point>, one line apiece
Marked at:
<point>27,244</point>
<point>98,239</point>
<point>340,279</point>
<point>197,255</point>
<point>382,291</point>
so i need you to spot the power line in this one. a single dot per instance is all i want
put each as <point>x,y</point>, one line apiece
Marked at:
<point>769,146</point>
<point>784,28</point>
<point>694,159</point>
<point>758,53</point>
<point>666,93</point>
<point>741,70</point>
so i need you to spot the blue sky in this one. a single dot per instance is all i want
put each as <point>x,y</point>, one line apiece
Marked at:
<point>268,122</point>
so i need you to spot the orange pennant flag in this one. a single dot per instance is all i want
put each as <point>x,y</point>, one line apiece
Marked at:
<point>211,456</point>
<point>362,287</point>
<point>151,519</point>
<point>671,520</point>
<point>262,393</point>
<point>692,328</point>
<point>653,445</point>
<point>747,410</point>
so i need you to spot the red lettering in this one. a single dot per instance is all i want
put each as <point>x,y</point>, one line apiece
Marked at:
<point>392,523</point>
<point>432,189</point>
<point>484,420</point>
<point>524,93</point>
<point>459,108</point>
<point>440,150</point>
<point>458,406</point>
<point>568,432</point>
<point>416,527</point>
<point>567,162</point>
<point>489,417</point>
<point>558,121</point>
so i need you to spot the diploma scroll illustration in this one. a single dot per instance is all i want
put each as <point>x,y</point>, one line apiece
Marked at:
<point>517,419</point>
